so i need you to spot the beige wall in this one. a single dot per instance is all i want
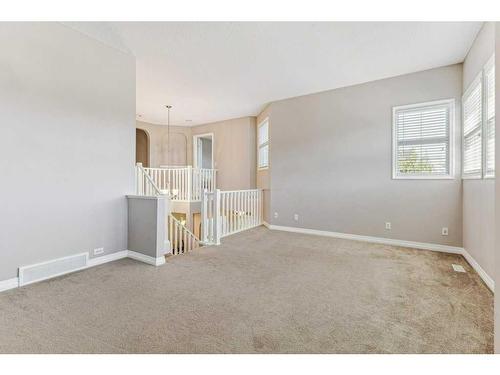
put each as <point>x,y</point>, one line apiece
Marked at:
<point>234,152</point>
<point>234,149</point>
<point>331,162</point>
<point>180,145</point>
<point>479,195</point>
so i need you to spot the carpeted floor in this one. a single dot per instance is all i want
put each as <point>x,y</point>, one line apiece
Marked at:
<point>259,292</point>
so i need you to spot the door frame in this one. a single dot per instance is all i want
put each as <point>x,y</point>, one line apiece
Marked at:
<point>148,145</point>
<point>195,148</point>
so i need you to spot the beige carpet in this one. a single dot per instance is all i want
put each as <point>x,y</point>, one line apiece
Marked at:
<point>259,292</point>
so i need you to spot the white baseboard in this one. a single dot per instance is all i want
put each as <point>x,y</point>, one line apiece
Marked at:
<point>266,224</point>
<point>92,262</point>
<point>389,241</point>
<point>146,259</point>
<point>380,240</point>
<point>9,284</point>
<point>481,272</point>
<point>107,258</point>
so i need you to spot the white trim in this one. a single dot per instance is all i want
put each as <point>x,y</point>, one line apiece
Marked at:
<point>91,262</point>
<point>478,80</point>
<point>451,141</point>
<point>195,149</point>
<point>380,240</point>
<point>107,258</point>
<point>146,258</point>
<point>266,224</point>
<point>389,241</point>
<point>155,197</point>
<point>490,64</point>
<point>480,271</point>
<point>259,146</point>
<point>9,284</point>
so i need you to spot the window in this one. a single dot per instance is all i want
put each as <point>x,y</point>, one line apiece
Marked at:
<point>489,131</point>
<point>263,142</point>
<point>478,106</point>
<point>472,107</point>
<point>421,140</point>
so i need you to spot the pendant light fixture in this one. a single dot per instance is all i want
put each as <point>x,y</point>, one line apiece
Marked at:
<point>173,192</point>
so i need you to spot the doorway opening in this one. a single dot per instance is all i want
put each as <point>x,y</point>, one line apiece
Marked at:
<point>142,147</point>
<point>203,151</point>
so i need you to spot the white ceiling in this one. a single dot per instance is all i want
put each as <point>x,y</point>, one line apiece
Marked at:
<point>211,71</point>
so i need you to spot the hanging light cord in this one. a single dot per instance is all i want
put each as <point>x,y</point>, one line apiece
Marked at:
<point>168,134</point>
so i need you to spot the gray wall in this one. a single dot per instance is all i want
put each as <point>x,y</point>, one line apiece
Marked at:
<point>496,273</point>
<point>478,195</point>
<point>67,108</point>
<point>331,162</point>
<point>147,225</point>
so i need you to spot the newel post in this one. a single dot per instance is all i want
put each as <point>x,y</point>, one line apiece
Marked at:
<point>189,183</point>
<point>217,218</point>
<point>138,179</point>
<point>204,221</point>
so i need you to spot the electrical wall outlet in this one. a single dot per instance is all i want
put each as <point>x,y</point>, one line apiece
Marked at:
<point>388,226</point>
<point>296,217</point>
<point>275,215</point>
<point>444,231</point>
<point>99,251</point>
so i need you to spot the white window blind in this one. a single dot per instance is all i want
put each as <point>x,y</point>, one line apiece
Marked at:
<point>489,130</point>
<point>472,129</point>
<point>421,145</point>
<point>263,143</point>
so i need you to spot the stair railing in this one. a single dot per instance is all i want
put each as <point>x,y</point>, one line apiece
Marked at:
<point>144,184</point>
<point>181,239</point>
<point>184,183</point>
<point>228,212</point>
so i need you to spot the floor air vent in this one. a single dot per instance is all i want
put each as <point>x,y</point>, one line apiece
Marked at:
<point>52,268</point>
<point>458,268</point>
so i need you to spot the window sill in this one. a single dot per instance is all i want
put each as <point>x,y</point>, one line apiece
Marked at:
<point>472,178</point>
<point>423,177</point>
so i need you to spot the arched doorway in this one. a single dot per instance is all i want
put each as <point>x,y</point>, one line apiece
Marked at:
<point>142,147</point>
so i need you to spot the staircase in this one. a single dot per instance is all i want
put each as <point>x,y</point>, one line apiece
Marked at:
<point>181,239</point>
<point>222,212</point>
<point>228,212</point>
<point>184,184</point>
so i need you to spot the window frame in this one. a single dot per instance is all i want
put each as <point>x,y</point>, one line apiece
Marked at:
<point>451,141</point>
<point>481,78</point>
<point>484,132</point>
<point>473,176</point>
<point>260,146</point>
